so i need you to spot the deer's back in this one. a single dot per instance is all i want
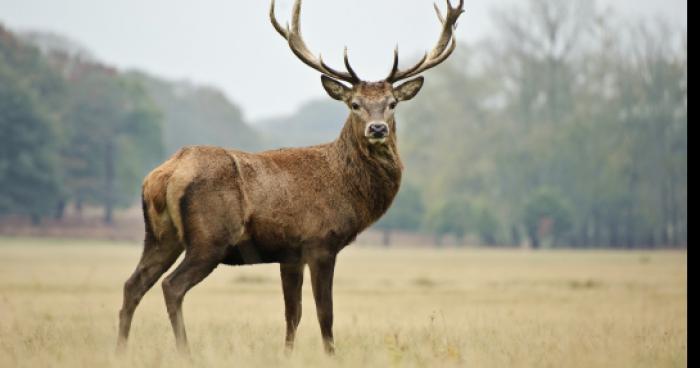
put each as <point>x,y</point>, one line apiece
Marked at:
<point>275,202</point>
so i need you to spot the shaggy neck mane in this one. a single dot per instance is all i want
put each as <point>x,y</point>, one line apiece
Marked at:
<point>372,173</point>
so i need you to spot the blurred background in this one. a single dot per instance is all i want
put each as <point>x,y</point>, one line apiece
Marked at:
<point>555,124</point>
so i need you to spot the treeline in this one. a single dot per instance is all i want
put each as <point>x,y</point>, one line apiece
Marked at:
<point>74,131</point>
<point>194,115</point>
<point>566,128</point>
<point>315,122</point>
<point>71,130</point>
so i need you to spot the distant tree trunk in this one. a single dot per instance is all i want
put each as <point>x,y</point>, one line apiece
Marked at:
<point>664,235</point>
<point>630,229</point>
<point>489,240</point>
<point>684,232</point>
<point>109,214</point>
<point>651,239</point>
<point>386,237</point>
<point>515,236</point>
<point>582,239</point>
<point>614,235</point>
<point>675,216</point>
<point>79,207</point>
<point>597,241</point>
<point>534,238</point>
<point>109,183</point>
<point>60,210</point>
<point>665,215</point>
<point>36,219</point>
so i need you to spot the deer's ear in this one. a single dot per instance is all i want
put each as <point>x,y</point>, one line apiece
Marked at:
<point>336,89</point>
<point>409,89</point>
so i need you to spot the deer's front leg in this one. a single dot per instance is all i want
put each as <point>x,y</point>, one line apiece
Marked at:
<point>322,269</point>
<point>292,280</point>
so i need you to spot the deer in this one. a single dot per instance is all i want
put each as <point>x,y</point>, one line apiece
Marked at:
<point>295,207</point>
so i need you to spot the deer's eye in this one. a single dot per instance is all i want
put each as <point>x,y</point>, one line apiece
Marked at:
<point>392,105</point>
<point>355,106</point>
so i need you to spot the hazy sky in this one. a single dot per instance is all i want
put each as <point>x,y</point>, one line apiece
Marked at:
<point>230,43</point>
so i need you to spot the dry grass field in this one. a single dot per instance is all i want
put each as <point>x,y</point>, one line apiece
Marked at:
<point>415,308</point>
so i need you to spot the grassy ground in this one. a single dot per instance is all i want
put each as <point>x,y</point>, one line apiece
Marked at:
<point>59,302</point>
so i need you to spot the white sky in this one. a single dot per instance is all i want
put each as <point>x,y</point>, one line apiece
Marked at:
<point>231,45</point>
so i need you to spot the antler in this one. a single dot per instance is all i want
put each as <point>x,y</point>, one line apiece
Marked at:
<point>299,48</point>
<point>444,48</point>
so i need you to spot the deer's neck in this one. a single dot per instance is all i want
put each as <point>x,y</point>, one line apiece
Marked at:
<point>372,173</point>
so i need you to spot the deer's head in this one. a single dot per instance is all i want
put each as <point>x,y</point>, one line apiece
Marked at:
<point>372,103</point>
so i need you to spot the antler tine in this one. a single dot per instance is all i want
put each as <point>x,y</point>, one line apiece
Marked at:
<point>348,77</point>
<point>443,49</point>
<point>284,32</point>
<point>395,66</point>
<point>347,65</point>
<point>438,60</point>
<point>397,75</point>
<point>298,46</point>
<point>439,13</point>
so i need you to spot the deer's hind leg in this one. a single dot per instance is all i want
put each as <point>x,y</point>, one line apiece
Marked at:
<point>209,227</point>
<point>193,269</point>
<point>157,257</point>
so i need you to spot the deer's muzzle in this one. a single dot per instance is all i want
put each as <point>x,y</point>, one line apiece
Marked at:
<point>377,131</point>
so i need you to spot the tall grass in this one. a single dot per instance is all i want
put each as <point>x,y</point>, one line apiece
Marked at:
<point>422,308</point>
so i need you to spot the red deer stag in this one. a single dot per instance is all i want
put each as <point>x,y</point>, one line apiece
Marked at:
<point>294,207</point>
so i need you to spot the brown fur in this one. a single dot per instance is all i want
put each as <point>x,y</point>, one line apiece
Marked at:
<point>295,207</point>
<point>277,198</point>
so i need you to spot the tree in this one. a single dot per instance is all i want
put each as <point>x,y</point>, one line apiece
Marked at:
<point>450,218</point>
<point>593,109</point>
<point>406,213</point>
<point>30,97</point>
<point>195,115</point>
<point>546,215</point>
<point>534,53</point>
<point>487,226</point>
<point>72,130</point>
<point>28,180</point>
<point>114,137</point>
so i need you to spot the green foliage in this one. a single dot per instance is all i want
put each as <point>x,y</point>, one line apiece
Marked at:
<point>29,181</point>
<point>487,226</point>
<point>114,137</point>
<point>546,215</point>
<point>450,218</point>
<point>559,97</point>
<point>71,130</point>
<point>407,211</point>
<point>79,131</point>
<point>595,112</point>
<point>28,177</point>
<point>316,122</point>
<point>405,214</point>
<point>460,217</point>
<point>198,116</point>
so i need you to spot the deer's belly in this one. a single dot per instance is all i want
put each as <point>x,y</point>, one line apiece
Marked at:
<point>250,253</point>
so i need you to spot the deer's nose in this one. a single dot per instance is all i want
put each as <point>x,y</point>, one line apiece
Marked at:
<point>378,130</point>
